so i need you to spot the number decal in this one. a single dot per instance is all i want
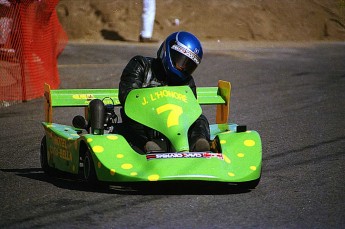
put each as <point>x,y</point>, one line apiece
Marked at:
<point>174,115</point>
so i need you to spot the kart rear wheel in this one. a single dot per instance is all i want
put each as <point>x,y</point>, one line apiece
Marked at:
<point>90,175</point>
<point>44,157</point>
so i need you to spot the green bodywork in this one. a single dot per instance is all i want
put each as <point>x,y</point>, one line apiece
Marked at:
<point>171,111</point>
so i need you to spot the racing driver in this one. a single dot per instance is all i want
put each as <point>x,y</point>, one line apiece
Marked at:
<point>177,58</point>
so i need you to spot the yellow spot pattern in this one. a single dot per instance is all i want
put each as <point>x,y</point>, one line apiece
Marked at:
<point>119,155</point>
<point>153,177</point>
<point>126,166</point>
<point>226,159</point>
<point>98,149</point>
<point>253,168</point>
<point>156,177</point>
<point>112,137</point>
<point>231,174</point>
<point>249,143</point>
<point>240,155</point>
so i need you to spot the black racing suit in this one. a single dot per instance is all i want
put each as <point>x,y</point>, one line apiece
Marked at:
<point>143,72</point>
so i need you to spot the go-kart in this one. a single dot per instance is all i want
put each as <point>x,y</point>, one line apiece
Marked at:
<point>93,146</point>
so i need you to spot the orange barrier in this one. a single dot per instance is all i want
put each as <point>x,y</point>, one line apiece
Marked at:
<point>31,39</point>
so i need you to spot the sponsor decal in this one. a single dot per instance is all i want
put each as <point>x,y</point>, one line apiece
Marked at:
<point>187,53</point>
<point>87,97</point>
<point>162,94</point>
<point>58,148</point>
<point>206,155</point>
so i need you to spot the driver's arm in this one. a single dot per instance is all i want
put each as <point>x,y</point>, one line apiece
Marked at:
<point>132,76</point>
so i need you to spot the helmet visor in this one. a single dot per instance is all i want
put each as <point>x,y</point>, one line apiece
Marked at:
<point>182,62</point>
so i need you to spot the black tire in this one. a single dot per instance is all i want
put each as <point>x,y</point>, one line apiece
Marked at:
<point>249,185</point>
<point>90,175</point>
<point>44,157</point>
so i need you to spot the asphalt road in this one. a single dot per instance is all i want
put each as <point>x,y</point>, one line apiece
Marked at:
<point>292,94</point>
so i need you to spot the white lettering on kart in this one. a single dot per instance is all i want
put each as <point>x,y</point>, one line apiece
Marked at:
<point>206,155</point>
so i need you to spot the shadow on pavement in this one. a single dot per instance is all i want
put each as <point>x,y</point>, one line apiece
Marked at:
<point>75,182</point>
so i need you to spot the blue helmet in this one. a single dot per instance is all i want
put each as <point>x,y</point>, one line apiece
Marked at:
<point>180,54</point>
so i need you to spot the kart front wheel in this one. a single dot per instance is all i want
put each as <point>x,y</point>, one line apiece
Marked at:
<point>249,184</point>
<point>90,175</point>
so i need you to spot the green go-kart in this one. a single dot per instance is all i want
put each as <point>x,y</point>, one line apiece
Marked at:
<point>102,154</point>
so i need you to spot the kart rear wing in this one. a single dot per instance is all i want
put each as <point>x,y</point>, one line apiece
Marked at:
<point>219,96</point>
<point>75,98</point>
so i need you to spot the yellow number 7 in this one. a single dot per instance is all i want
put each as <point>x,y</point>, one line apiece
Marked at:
<point>175,112</point>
